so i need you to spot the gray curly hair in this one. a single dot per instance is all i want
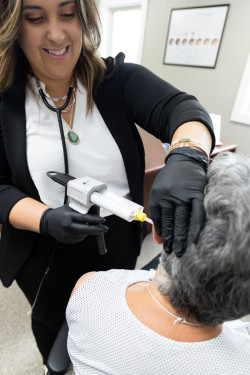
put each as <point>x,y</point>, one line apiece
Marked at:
<point>211,281</point>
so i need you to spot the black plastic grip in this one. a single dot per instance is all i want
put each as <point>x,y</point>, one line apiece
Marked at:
<point>60,178</point>
<point>95,210</point>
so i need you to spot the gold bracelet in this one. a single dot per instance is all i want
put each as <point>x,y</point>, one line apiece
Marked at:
<point>189,143</point>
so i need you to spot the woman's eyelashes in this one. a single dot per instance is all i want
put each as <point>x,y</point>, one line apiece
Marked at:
<point>66,16</point>
<point>33,20</point>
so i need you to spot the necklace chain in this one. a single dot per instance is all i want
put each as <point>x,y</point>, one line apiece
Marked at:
<point>46,96</point>
<point>72,116</point>
<point>72,105</point>
<point>178,319</point>
<point>56,99</point>
<point>71,135</point>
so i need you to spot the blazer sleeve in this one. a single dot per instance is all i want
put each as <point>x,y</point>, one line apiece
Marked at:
<point>157,106</point>
<point>9,194</point>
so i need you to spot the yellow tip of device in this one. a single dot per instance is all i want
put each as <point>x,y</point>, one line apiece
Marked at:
<point>140,216</point>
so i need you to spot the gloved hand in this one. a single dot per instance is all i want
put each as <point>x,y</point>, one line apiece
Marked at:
<point>69,226</point>
<point>176,200</point>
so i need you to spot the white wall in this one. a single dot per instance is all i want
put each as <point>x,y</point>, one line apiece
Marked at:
<point>215,88</point>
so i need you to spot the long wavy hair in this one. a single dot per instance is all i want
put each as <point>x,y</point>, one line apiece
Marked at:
<point>89,69</point>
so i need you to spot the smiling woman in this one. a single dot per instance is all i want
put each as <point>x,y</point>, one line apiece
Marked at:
<point>51,39</point>
<point>65,32</point>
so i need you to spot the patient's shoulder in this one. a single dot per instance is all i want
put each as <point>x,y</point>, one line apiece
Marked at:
<point>82,279</point>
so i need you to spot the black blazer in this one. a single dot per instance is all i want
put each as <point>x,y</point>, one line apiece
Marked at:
<point>129,94</point>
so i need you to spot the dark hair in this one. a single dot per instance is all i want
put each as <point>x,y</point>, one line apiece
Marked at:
<point>211,281</point>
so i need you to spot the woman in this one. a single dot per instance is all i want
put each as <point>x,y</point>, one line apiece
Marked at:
<point>51,46</point>
<point>171,322</point>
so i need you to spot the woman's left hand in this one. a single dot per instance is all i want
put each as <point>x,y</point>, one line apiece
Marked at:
<point>176,202</point>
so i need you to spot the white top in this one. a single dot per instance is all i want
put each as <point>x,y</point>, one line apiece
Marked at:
<point>97,155</point>
<point>106,338</point>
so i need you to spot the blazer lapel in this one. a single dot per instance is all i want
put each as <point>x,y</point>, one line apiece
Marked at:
<point>14,131</point>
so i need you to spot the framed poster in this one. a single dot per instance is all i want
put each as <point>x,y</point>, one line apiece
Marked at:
<point>241,109</point>
<point>194,35</point>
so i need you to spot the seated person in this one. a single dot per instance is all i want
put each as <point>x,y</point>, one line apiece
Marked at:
<point>183,319</point>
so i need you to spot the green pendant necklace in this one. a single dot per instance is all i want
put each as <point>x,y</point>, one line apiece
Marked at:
<point>71,135</point>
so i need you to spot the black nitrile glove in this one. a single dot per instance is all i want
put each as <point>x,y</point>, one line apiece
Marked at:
<point>69,226</point>
<point>176,200</point>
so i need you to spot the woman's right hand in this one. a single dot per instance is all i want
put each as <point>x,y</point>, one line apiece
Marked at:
<point>69,226</point>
